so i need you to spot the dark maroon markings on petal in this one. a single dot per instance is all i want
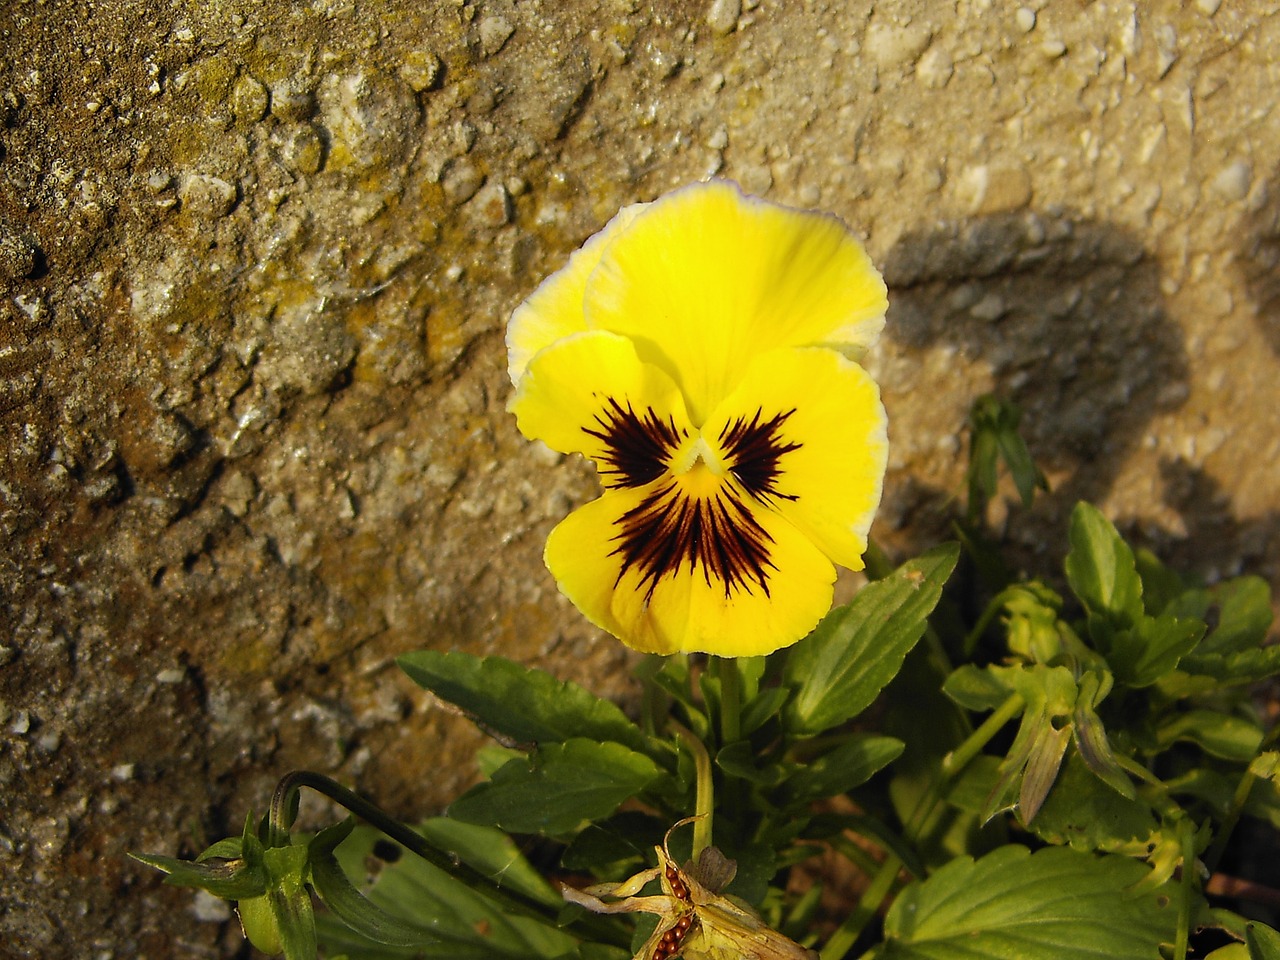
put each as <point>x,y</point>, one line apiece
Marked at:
<point>753,448</point>
<point>718,534</point>
<point>638,447</point>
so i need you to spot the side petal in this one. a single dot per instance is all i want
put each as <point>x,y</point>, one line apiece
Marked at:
<point>686,611</point>
<point>833,428</point>
<point>706,278</point>
<point>567,388</point>
<point>555,309</point>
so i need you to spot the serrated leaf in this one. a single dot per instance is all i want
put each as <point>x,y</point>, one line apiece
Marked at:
<point>1244,666</point>
<point>840,668</point>
<point>849,765</point>
<point>1152,648</point>
<point>560,787</point>
<point>1011,905</point>
<point>1266,765</point>
<point>1101,569</point>
<point>529,706</point>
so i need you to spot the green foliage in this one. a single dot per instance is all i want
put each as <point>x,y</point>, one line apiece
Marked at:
<point>994,437</point>
<point>1100,714</point>
<point>558,789</point>
<point>1013,904</point>
<point>857,649</point>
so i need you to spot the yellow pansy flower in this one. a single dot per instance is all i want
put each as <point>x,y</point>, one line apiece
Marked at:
<point>702,350</point>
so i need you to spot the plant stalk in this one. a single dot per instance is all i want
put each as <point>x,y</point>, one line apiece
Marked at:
<point>704,796</point>
<point>847,933</point>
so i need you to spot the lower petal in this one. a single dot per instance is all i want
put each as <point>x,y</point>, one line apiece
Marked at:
<point>687,610</point>
<point>829,485</point>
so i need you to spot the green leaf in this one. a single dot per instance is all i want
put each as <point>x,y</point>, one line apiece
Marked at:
<point>493,854</point>
<point>1218,734</point>
<point>228,879</point>
<point>1232,951</point>
<point>603,848</point>
<point>994,431</point>
<point>1012,905</point>
<point>1101,569</point>
<point>349,905</point>
<point>763,708</point>
<point>849,765</point>
<point>1244,616</point>
<point>976,688</point>
<point>840,668</point>
<point>1152,648</point>
<point>1243,666</point>
<point>1017,457</point>
<point>1089,815</point>
<point>738,759</point>
<point>529,706</point>
<point>1264,942</point>
<point>463,924</point>
<point>1160,585</point>
<point>560,787</point>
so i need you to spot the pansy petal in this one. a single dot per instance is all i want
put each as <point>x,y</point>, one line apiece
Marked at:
<point>831,425</point>
<point>554,310</point>
<point>707,278</point>
<point>568,388</point>
<point>687,611</point>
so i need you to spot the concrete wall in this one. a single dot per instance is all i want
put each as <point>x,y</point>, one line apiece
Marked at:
<point>256,260</point>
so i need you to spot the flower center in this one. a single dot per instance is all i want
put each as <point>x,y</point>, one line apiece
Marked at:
<point>701,508</point>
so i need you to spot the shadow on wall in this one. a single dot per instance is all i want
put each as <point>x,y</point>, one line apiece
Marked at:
<point>1067,315</point>
<point>1259,260</point>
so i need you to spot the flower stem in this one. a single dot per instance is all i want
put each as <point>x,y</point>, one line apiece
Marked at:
<point>1243,788</point>
<point>1190,881</point>
<point>959,758</point>
<point>704,802</point>
<point>730,700</point>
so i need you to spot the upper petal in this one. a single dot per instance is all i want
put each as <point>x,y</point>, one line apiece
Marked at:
<point>555,309</point>
<point>706,278</point>
<point>571,388</point>
<point>830,429</point>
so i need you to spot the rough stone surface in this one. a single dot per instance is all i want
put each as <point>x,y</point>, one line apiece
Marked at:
<point>255,261</point>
